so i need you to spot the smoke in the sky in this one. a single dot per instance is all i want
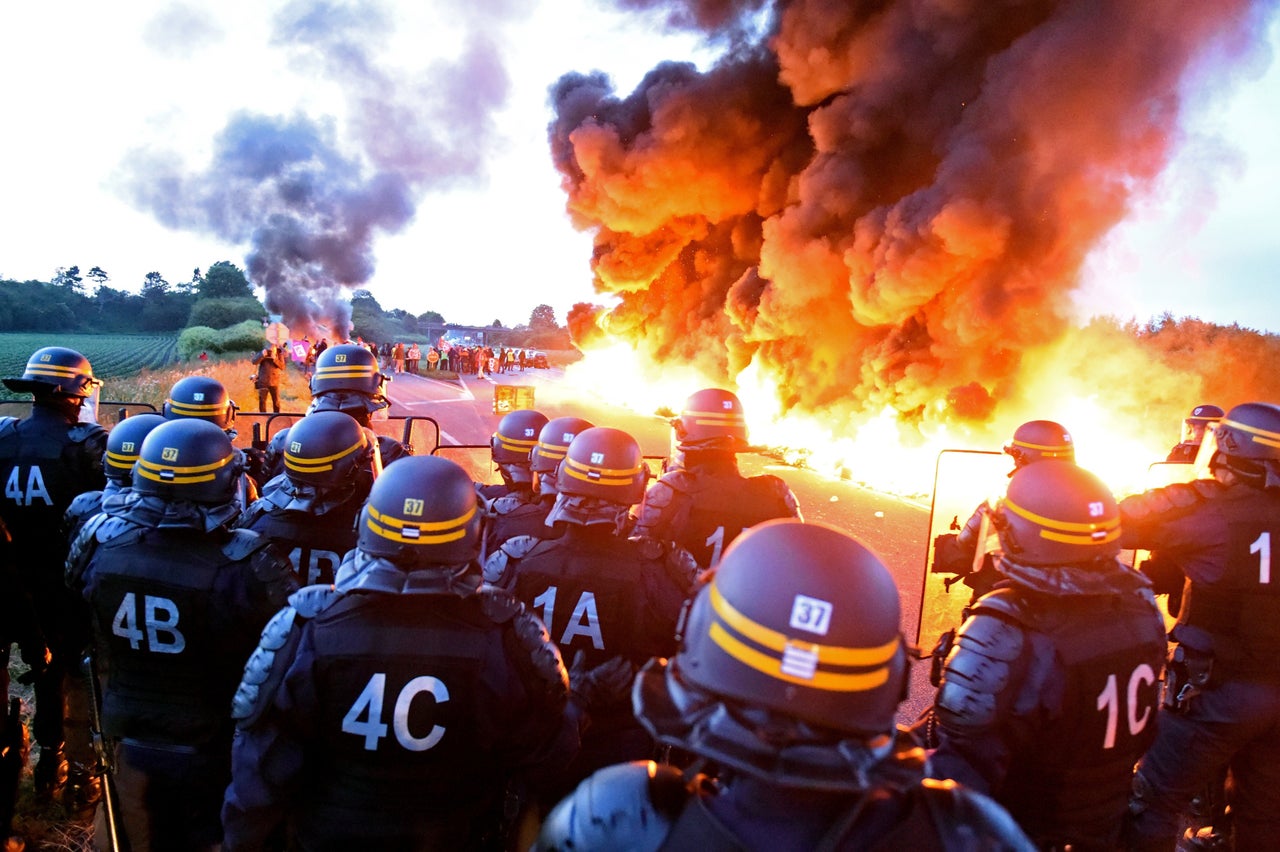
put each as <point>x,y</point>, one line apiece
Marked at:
<point>309,195</point>
<point>885,202</point>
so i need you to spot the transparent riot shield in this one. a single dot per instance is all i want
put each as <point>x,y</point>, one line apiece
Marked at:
<point>963,480</point>
<point>419,434</point>
<point>475,459</point>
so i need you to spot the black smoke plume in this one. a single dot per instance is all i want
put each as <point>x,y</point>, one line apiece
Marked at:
<point>310,195</point>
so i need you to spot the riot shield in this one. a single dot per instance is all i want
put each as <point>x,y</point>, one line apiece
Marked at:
<point>963,480</point>
<point>475,459</point>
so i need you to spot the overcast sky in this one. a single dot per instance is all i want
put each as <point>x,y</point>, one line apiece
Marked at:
<point>104,104</point>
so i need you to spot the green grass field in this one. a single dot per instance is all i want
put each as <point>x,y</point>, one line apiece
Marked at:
<point>110,354</point>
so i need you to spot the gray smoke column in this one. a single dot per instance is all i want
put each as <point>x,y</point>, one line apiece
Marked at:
<point>882,203</point>
<point>310,195</point>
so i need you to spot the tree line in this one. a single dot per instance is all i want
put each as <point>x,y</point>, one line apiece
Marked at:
<point>219,297</point>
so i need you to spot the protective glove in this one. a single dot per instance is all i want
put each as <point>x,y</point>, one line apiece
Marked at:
<point>949,557</point>
<point>606,685</point>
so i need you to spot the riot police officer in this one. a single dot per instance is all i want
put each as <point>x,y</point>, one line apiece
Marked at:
<point>310,510</point>
<point>510,446</point>
<point>123,443</point>
<point>348,379</point>
<point>956,553</point>
<point>702,502</point>
<point>179,600</point>
<point>1222,692</point>
<point>786,682</point>
<point>518,513</point>
<point>601,594</point>
<point>1202,418</point>
<point>205,398</point>
<point>46,459</point>
<point>392,710</point>
<point>1048,695</point>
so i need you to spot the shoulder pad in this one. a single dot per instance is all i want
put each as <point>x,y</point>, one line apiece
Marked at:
<point>1170,498</point>
<point>978,669</point>
<point>249,516</point>
<point>504,608</point>
<point>506,504</point>
<point>310,601</point>
<point>84,503</point>
<point>113,527</point>
<point>266,665</point>
<point>1006,603</point>
<point>81,550</point>
<point>959,812</point>
<point>82,432</point>
<point>784,494</point>
<point>499,605</point>
<point>625,806</point>
<point>519,546</point>
<point>242,544</point>
<point>661,493</point>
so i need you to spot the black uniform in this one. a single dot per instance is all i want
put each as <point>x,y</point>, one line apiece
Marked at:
<point>519,513</point>
<point>1222,701</point>
<point>46,459</point>
<point>1049,697</point>
<point>393,712</point>
<point>178,602</point>
<point>316,531</point>
<point>706,503</point>
<point>603,596</point>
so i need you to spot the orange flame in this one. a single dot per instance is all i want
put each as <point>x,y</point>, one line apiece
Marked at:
<point>881,449</point>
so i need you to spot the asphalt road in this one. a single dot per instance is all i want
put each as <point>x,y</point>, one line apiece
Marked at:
<point>896,529</point>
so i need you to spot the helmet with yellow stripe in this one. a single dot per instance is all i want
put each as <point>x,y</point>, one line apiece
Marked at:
<point>421,512</point>
<point>513,441</point>
<point>605,464</point>
<point>347,377</point>
<point>1037,440</point>
<point>1247,442</point>
<point>190,460</point>
<point>124,444</point>
<point>553,444</point>
<point>797,635</point>
<point>711,419</point>
<point>56,370</point>
<point>327,449</point>
<point>200,398</point>
<point>1057,513</point>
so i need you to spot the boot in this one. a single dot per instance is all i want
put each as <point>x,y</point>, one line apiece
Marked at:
<point>50,774</point>
<point>83,792</point>
<point>14,745</point>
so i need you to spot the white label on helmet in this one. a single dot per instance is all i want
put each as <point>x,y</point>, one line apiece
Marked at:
<point>169,454</point>
<point>811,614</point>
<point>198,397</point>
<point>800,660</point>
